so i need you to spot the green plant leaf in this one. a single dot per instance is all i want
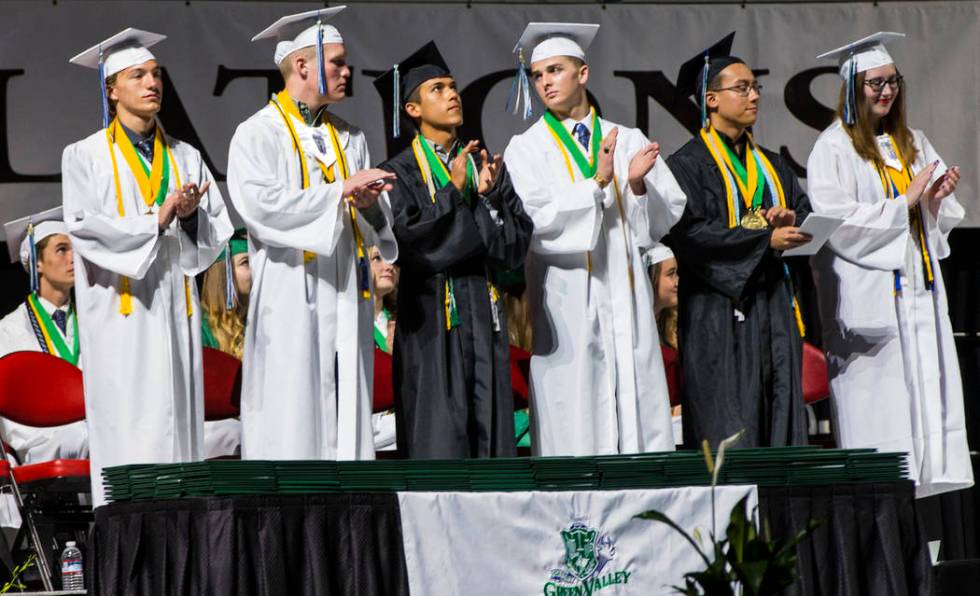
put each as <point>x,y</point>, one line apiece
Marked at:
<point>713,583</point>
<point>752,574</point>
<point>655,515</point>
<point>737,532</point>
<point>690,590</point>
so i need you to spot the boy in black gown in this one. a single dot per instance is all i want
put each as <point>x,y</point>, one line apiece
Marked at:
<point>458,223</point>
<point>739,328</point>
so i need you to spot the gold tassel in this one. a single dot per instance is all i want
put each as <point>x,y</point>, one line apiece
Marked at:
<point>799,317</point>
<point>187,296</point>
<point>125,298</point>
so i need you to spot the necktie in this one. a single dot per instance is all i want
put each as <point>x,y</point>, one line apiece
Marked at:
<point>582,134</point>
<point>60,319</point>
<point>145,147</point>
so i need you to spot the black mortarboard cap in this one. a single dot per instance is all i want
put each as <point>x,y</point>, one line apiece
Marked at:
<point>405,77</point>
<point>690,73</point>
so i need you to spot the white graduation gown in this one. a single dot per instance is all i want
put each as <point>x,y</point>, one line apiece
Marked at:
<point>35,444</point>
<point>894,375</point>
<point>597,374</point>
<point>309,348</point>
<point>144,398</point>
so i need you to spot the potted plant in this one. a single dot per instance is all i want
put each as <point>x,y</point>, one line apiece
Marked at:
<point>743,561</point>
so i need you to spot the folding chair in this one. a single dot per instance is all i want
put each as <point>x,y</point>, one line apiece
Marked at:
<point>384,391</point>
<point>222,385</point>
<point>816,387</point>
<point>673,372</point>
<point>41,390</point>
<point>520,376</point>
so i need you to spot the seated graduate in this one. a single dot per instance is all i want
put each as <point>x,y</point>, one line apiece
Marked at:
<point>458,221</point>
<point>385,288</point>
<point>739,326</point>
<point>224,298</point>
<point>45,322</point>
<point>224,309</point>
<point>662,269</point>
<point>385,285</point>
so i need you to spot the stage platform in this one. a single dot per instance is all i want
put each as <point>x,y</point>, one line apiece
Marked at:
<point>492,540</point>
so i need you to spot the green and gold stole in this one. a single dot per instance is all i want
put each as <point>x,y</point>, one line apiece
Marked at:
<point>47,333</point>
<point>750,186</point>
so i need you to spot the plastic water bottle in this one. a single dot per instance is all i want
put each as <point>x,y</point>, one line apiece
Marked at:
<point>72,574</point>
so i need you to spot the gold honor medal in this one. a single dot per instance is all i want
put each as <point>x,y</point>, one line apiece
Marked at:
<point>753,220</point>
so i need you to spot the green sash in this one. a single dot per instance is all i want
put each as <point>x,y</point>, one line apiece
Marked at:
<point>585,165</point>
<point>757,179</point>
<point>442,175</point>
<point>48,334</point>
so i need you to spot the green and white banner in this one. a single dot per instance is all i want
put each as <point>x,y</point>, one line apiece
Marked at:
<point>558,543</point>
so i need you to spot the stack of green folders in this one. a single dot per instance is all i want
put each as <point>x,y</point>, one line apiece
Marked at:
<point>785,466</point>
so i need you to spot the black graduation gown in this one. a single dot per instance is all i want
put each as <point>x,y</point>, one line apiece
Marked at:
<point>453,396</point>
<point>737,374</point>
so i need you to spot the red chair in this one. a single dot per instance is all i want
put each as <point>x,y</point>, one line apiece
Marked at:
<point>816,386</point>
<point>56,397</point>
<point>673,372</point>
<point>222,385</point>
<point>384,390</point>
<point>520,376</point>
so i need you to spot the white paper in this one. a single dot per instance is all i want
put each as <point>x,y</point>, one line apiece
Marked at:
<point>821,227</point>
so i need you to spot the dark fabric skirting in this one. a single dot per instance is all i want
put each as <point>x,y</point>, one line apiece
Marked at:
<point>300,545</point>
<point>870,543</point>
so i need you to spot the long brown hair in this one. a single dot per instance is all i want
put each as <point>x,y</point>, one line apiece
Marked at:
<point>227,326</point>
<point>863,135</point>
<point>667,317</point>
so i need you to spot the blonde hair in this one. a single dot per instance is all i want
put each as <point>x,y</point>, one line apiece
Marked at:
<point>286,65</point>
<point>520,333</point>
<point>227,326</point>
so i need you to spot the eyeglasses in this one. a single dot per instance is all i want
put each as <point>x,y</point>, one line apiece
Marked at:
<point>742,89</point>
<point>893,82</point>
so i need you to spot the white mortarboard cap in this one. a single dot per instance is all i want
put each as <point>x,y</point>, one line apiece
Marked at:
<point>46,223</point>
<point>547,40</point>
<point>656,254</point>
<point>121,51</point>
<point>864,54</point>
<point>298,31</point>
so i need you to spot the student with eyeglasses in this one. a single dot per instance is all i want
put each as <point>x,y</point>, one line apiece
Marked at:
<point>739,326</point>
<point>894,376</point>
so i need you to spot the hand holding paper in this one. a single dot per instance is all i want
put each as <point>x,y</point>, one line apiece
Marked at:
<point>820,227</point>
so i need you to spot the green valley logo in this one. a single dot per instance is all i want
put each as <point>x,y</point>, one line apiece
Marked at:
<point>584,567</point>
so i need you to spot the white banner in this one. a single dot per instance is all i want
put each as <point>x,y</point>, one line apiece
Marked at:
<point>558,543</point>
<point>216,78</point>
